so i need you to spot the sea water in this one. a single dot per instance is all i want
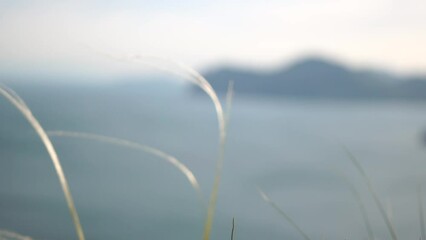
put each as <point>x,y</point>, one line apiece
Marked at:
<point>294,150</point>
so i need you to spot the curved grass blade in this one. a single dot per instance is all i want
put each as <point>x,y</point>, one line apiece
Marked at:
<point>361,206</point>
<point>14,95</point>
<point>129,144</point>
<point>219,165</point>
<point>8,235</point>
<point>379,204</point>
<point>193,76</point>
<point>181,70</point>
<point>22,107</point>
<point>214,193</point>
<point>268,200</point>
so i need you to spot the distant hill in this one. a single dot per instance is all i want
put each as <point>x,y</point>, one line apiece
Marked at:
<point>319,78</point>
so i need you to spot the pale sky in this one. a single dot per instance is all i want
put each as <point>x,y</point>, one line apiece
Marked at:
<point>72,36</point>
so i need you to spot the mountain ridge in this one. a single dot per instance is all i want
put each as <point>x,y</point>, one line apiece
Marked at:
<point>317,77</point>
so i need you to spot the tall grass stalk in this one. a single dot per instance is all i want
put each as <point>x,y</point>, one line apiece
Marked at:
<point>16,101</point>
<point>421,214</point>
<point>379,204</point>
<point>229,98</point>
<point>233,229</point>
<point>361,206</point>
<point>193,76</point>
<point>219,165</point>
<point>134,145</point>
<point>268,200</point>
<point>188,73</point>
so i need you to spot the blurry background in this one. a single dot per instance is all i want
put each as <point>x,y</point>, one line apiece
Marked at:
<point>310,76</point>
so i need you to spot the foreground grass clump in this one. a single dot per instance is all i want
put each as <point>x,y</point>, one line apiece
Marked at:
<point>182,70</point>
<point>370,233</point>
<point>222,117</point>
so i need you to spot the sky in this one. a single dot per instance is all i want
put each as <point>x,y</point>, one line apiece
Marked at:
<point>87,37</point>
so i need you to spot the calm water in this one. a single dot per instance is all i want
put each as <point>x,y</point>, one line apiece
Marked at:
<point>291,149</point>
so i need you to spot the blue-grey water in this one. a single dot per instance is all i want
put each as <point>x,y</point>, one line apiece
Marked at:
<point>292,149</point>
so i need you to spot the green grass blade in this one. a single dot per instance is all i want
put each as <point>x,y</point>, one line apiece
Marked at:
<point>133,145</point>
<point>268,200</point>
<point>379,204</point>
<point>22,107</point>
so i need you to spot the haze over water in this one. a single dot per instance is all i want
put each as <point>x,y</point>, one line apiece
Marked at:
<point>78,66</point>
<point>291,149</point>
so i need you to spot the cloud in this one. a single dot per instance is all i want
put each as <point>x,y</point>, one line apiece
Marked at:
<point>53,34</point>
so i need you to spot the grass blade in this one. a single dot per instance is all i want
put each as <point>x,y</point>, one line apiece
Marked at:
<point>14,95</point>
<point>379,204</point>
<point>219,165</point>
<point>421,214</point>
<point>233,229</point>
<point>181,70</point>
<point>361,205</point>
<point>22,107</point>
<point>129,144</point>
<point>229,99</point>
<point>268,200</point>
<point>8,235</point>
<point>193,76</point>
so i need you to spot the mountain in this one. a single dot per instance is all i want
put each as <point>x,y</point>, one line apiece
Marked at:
<point>319,78</point>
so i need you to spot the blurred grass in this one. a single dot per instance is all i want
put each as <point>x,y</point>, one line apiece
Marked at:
<point>373,193</point>
<point>8,235</point>
<point>183,71</point>
<point>223,120</point>
<point>133,145</point>
<point>20,105</point>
